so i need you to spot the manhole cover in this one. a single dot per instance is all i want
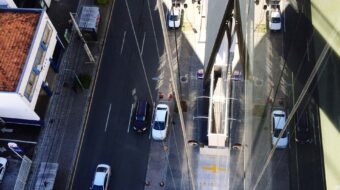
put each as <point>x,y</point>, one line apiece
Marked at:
<point>184,79</point>
<point>192,142</point>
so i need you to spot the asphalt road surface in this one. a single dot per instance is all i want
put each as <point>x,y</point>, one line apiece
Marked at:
<point>306,160</point>
<point>121,81</point>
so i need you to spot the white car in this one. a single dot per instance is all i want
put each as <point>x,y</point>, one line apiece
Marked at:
<point>278,121</point>
<point>275,21</point>
<point>161,122</point>
<point>174,18</point>
<point>101,177</point>
<point>3,164</point>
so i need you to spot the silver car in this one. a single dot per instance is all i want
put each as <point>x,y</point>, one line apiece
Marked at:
<point>101,177</point>
<point>3,165</point>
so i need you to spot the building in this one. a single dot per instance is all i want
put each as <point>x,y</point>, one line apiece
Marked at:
<point>313,46</point>
<point>28,40</point>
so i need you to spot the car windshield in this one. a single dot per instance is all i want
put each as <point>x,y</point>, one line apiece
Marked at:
<point>174,17</point>
<point>277,133</point>
<point>159,125</point>
<point>97,187</point>
<point>101,169</point>
<point>276,20</point>
<point>140,118</point>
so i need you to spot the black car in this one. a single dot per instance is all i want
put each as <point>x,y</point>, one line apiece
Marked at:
<point>141,113</point>
<point>303,129</point>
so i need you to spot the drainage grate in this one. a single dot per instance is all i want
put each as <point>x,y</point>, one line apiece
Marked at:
<point>184,79</point>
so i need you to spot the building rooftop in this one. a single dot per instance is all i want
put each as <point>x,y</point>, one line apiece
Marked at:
<point>17,30</point>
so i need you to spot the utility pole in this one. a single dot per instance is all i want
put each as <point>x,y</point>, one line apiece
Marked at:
<point>86,47</point>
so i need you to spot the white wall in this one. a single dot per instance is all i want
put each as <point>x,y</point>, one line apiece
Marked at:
<point>222,54</point>
<point>30,62</point>
<point>8,3</point>
<point>13,106</point>
<point>215,13</point>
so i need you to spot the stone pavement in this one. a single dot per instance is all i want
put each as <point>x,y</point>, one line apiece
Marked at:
<point>67,109</point>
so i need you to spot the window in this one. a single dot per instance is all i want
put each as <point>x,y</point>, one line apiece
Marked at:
<point>40,56</point>
<point>47,35</point>
<point>31,84</point>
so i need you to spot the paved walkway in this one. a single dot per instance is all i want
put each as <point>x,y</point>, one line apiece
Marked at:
<point>169,162</point>
<point>67,109</point>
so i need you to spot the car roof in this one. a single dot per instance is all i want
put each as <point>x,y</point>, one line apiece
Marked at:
<point>160,114</point>
<point>141,107</point>
<point>99,178</point>
<point>3,160</point>
<point>279,118</point>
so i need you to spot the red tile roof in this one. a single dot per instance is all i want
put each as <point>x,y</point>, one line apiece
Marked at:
<point>16,34</point>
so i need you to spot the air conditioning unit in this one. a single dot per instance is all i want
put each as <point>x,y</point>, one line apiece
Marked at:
<point>39,67</point>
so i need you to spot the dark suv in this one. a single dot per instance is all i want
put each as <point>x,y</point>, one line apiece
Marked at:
<point>141,113</point>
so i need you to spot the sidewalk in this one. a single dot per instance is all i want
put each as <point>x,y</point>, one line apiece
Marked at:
<point>168,165</point>
<point>169,162</point>
<point>67,109</point>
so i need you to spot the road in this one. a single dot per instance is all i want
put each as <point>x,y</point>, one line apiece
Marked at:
<point>306,161</point>
<point>121,81</point>
<point>267,88</point>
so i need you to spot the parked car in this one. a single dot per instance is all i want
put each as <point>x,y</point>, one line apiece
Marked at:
<point>303,129</point>
<point>161,122</point>
<point>275,20</point>
<point>141,113</point>
<point>101,177</point>
<point>3,165</point>
<point>174,17</point>
<point>278,120</point>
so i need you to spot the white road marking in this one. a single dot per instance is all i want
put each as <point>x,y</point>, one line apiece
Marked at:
<point>140,55</point>
<point>143,44</point>
<point>121,49</point>
<point>107,118</point>
<point>153,112</point>
<point>132,106</point>
<point>18,141</point>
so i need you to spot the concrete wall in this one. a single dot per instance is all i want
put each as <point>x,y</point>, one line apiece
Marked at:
<point>14,106</point>
<point>30,61</point>
<point>222,55</point>
<point>215,12</point>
